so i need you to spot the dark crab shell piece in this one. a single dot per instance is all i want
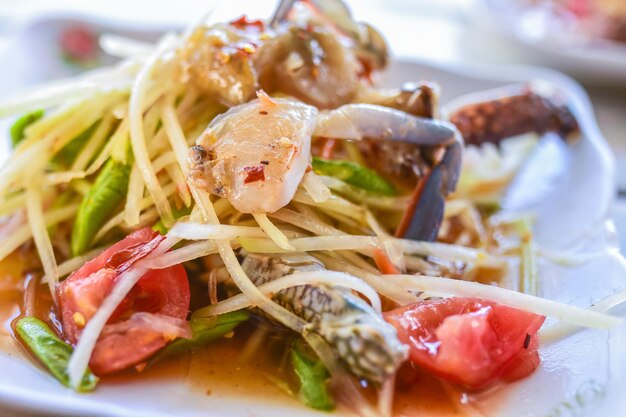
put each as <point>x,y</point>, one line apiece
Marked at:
<point>417,98</point>
<point>521,112</point>
<point>424,215</point>
<point>367,345</point>
<point>419,152</point>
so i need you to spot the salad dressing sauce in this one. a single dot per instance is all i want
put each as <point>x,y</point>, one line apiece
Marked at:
<point>11,297</point>
<point>220,369</point>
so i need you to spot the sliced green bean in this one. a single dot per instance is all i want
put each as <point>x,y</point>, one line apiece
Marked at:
<point>313,378</point>
<point>354,174</point>
<point>20,125</point>
<point>51,351</point>
<point>203,331</point>
<point>103,197</point>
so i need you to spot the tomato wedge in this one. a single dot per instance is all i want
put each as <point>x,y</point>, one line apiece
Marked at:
<point>468,341</point>
<point>150,316</point>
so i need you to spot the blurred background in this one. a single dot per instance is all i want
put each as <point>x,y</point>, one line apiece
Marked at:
<point>584,38</point>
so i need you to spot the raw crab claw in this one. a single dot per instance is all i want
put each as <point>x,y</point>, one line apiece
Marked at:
<point>494,115</point>
<point>383,127</point>
<point>367,345</point>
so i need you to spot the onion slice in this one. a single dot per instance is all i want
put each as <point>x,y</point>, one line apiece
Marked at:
<point>448,286</point>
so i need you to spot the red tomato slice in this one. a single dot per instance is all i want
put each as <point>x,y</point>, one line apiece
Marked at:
<point>471,342</point>
<point>160,295</point>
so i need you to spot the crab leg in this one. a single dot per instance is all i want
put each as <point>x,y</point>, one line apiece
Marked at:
<point>358,121</point>
<point>511,115</point>
<point>397,139</point>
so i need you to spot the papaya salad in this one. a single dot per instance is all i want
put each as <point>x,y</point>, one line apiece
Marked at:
<point>248,180</point>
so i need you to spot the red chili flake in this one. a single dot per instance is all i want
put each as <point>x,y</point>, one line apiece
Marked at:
<point>263,112</point>
<point>79,43</point>
<point>244,23</point>
<point>255,173</point>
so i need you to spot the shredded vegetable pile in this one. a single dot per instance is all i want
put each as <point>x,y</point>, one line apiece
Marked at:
<point>251,173</point>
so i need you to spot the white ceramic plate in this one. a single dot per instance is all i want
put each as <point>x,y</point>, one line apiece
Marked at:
<point>570,188</point>
<point>596,60</point>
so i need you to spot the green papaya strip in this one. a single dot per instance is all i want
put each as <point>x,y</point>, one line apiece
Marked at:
<point>69,152</point>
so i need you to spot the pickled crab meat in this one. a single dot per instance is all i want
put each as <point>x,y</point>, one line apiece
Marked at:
<point>218,60</point>
<point>310,64</point>
<point>256,154</point>
<point>366,344</point>
<point>307,59</point>
<point>367,43</point>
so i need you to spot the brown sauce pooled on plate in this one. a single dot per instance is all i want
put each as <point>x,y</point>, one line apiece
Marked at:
<point>223,368</point>
<point>11,297</point>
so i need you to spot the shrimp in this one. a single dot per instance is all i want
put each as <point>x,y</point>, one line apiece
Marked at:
<point>362,340</point>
